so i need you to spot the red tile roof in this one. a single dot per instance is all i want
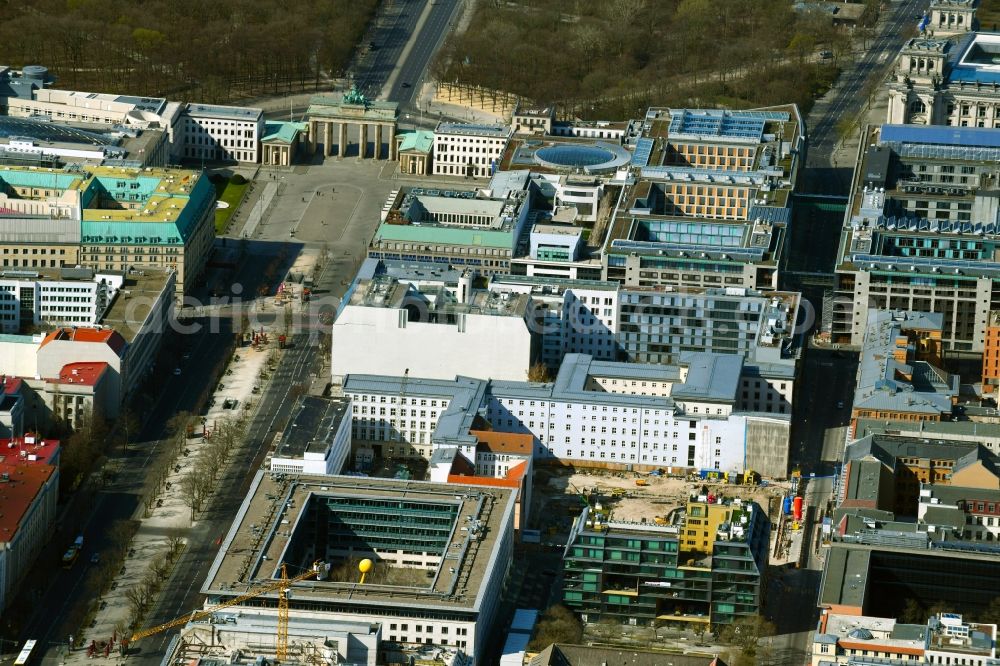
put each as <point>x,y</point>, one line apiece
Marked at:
<point>18,493</point>
<point>18,449</point>
<point>86,334</point>
<point>86,374</point>
<point>504,442</point>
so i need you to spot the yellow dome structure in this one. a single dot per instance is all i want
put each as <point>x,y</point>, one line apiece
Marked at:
<point>364,566</point>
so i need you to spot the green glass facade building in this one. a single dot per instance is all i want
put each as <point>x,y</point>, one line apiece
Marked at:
<point>649,574</point>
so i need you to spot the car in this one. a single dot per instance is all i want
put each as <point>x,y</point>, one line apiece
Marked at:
<point>95,558</point>
<point>186,356</point>
<point>840,404</point>
<point>177,371</point>
<point>825,55</point>
<point>406,84</point>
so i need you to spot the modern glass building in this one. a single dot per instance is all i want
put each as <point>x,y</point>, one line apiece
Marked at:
<point>702,571</point>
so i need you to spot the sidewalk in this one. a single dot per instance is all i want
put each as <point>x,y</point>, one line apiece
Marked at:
<point>169,516</point>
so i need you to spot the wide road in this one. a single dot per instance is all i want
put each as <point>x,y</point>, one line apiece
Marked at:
<point>848,100</point>
<point>181,593</point>
<point>394,24</point>
<point>818,435</point>
<point>413,69</point>
<point>63,593</point>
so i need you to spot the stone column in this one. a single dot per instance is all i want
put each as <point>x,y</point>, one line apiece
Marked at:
<point>312,134</point>
<point>362,140</point>
<point>392,143</point>
<point>327,139</point>
<point>378,142</point>
<point>343,140</point>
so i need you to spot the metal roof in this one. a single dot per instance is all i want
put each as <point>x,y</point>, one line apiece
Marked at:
<point>941,134</point>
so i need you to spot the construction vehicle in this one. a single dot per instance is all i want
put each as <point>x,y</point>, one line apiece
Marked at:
<point>619,492</point>
<point>641,482</point>
<point>281,586</point>
<point>660,520</point>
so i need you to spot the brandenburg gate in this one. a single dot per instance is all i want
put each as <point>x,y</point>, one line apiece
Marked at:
<point>331,115</point>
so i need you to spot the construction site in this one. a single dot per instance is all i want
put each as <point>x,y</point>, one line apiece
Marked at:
<point>632,497</point>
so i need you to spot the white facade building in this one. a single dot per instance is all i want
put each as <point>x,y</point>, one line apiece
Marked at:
<point>317,438</point>
<point>389,324</point>
<point>214,132</point>
<point>471,150</point>
<point>61,297</point>
<point>578,316</point>
<point>595,413</point>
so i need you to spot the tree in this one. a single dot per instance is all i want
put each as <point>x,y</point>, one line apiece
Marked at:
<point>558,624</point>
<point>539,372</point>
<point>130,424</point>
<point>746,632</point>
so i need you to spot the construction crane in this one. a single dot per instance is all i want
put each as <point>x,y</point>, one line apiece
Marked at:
<point>282,585</point>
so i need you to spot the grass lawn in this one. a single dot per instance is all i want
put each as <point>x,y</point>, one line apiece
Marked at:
<point>231,194</point>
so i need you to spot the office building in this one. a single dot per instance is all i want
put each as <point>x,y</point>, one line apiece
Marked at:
<point>893,473</point>
<point>991,354</point>
<point>387,324</point>
<point>29,478</point>
<point>555,317</point>
<point>467,149</point>
<point>596,413</point>
<point>495,459</point>
<point>899,375</point>
<point>938,80</point>
<point>441,554</point>
<point>711,203</point>
<point>472,229</point>
<point>920,233</point>
<point>892,542</point>
<point>865,640</point>
<point>705,571</point>
<point>317,439</point>
<point>30,299</point>
<point>108,219</point>
<point>569,316</point>
<point>215,133</point>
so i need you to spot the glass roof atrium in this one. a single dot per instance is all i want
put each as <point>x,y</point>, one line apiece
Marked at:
<point>40,130</point>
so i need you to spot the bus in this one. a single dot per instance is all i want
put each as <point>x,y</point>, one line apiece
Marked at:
<point>24,657</point>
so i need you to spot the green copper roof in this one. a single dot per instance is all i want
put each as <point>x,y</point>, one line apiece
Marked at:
<point>283,131</point>
<point>419,140</point>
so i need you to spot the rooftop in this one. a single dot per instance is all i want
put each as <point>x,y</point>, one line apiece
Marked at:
<point>421,141</point>
<point>224,112</point>
<point>886,383</point>
<point>385,291</point>
<point>82,374</point>
<point>30,449</point>
<point>874,633</point>
<point>140,292</point>
<point>496,131</point>
<point>18,491</point>
<point>313,423</point>
<point>282,132</point>
<point>108,336</point>
<point>491,441</point>
<point>469,545</point>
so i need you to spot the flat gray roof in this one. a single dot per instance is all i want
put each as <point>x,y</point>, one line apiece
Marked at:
<point>224,112</point>
<point>272,513</point>
<point>314,422</point>
<point>496,131</point>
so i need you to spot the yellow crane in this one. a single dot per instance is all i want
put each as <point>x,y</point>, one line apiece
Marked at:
<point>281,586</point>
